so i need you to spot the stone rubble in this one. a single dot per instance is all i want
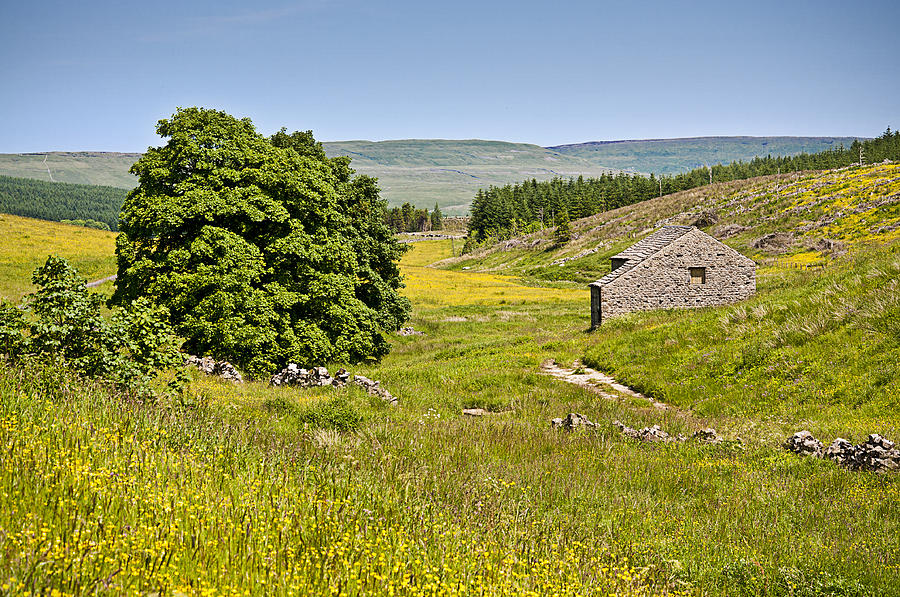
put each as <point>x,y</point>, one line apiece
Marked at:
<point>776,242</point>
<point>210,366</point>
<point>648,434</point>
<point>294,375</point>
<point>409,331</point>
<point>565,260</point>
<point>651,434</point>
<point>875,454</point>
<point>374,389</point>
<point>572,421</point>
<point>803,442</point>
<point>708,436</point>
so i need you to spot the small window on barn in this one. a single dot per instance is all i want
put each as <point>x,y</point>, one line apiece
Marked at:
<point>698,275</point>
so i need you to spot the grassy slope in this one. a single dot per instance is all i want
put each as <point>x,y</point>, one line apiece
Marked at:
<point>246,493</point>
<point>818,341</point>
<point>449,172</point>
<point>83,167</point>
<point>855,207</point>
<point>671,156</point>
<point>27,243</point>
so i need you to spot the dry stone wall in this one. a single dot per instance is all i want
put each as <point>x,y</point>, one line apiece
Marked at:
<point>663,281</point>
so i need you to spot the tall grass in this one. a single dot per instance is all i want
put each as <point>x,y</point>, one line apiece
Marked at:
<point>252,490</point>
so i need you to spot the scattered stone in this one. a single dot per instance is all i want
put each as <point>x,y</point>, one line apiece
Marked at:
<point>834,248</point>
<point>876,454</point>
<point>572,421</point>
<point>210,366</point>
<point>708,436</point>
<point>803,442</point>
<point>474,412</point>
<point>728,230</point>
<point>374,389</point>
<point>565,260</point>
<point>648,434</point>
<point>776,242</point>
<point>294,375</point>
<point>409,331</point>
<point>706,218</point>
<point>342,377</point>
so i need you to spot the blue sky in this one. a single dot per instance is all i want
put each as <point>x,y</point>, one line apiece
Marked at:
<point>98,75</point>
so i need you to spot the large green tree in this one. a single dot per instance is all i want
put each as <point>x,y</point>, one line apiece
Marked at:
<point>263,250</point>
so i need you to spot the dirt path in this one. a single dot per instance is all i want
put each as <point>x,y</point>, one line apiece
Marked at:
<point>96,283</point>
<point>47,166</point>
<point>594,381</point>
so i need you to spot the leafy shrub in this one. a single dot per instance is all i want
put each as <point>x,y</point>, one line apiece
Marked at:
<point>87,224</point>
<point>62,322</point>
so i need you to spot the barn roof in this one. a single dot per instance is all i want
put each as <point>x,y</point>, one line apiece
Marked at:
<point>643,249</point>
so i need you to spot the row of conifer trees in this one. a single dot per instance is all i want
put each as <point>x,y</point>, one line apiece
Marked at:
<point>87,205</point>
<point>502,212</point>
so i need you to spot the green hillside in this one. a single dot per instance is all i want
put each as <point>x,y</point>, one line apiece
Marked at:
<point>27,242</point>
<point>671,156</point>
<point>449,172</point>
<point>816,216</point>
<point>331,491</point>
<point>824,322</point>
<point>80,167</point>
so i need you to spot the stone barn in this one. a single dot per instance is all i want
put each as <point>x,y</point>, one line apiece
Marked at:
<point>675,267</point>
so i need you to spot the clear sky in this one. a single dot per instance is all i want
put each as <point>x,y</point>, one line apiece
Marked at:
<point>97,75</point>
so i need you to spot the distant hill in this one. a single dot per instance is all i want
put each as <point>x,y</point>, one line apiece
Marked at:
<point>78,167</point>
<point>671,156</point>
<point>449,172</point>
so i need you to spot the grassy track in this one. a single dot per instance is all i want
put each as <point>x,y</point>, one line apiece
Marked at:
<point>248,490</point>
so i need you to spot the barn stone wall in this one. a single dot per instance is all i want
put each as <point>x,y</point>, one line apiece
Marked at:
<point>663,281</point>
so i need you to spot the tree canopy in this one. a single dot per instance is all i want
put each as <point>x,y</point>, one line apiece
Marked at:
<point>263,250</point>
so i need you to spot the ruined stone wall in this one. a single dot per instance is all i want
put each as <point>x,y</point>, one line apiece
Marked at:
<point>663,281</point>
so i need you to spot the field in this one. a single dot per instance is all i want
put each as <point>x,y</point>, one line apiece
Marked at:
<point>27,243</point>
<point>252,490</point>
<point>82,167</point>
<point>249,490</point>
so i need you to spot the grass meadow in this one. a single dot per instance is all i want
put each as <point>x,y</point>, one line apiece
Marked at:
<point>242,490</point>
<point>27,242</point>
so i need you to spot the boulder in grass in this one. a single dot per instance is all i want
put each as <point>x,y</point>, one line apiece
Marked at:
<point>804,442</point>
<point>572,421</point>
<point>708,436</point>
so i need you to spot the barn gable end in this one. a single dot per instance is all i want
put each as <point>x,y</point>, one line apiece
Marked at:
<point>675,267</point>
